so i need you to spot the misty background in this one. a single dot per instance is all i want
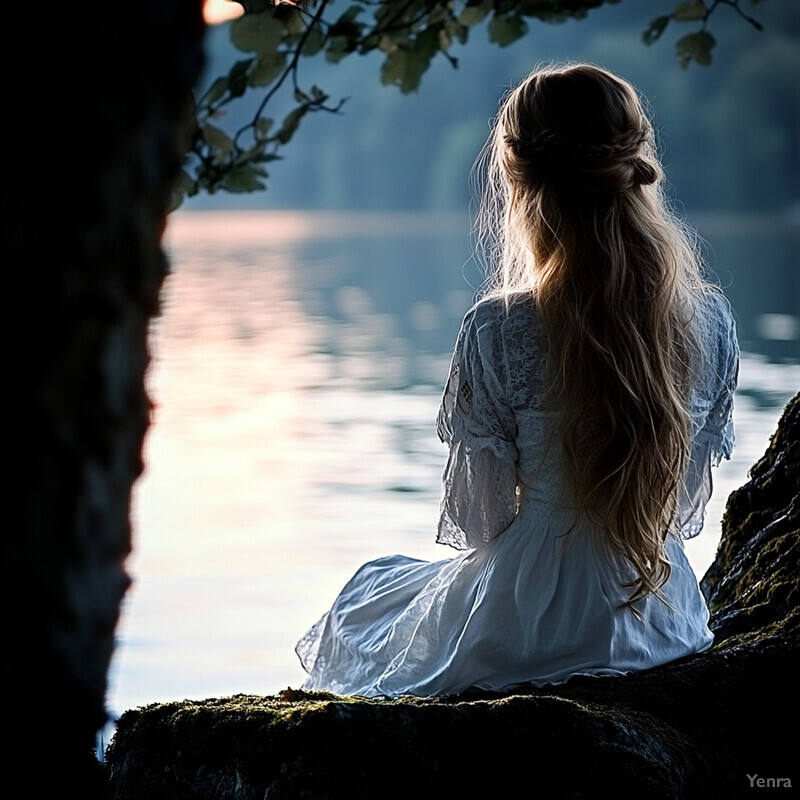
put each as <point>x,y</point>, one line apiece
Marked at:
<point>729,135</point>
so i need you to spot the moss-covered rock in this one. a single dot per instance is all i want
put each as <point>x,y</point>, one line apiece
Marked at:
<point>752,586</point>
<point>695,728</point>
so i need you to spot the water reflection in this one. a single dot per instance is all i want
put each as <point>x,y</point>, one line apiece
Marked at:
<point>297,371</point>
<point>755,257</point>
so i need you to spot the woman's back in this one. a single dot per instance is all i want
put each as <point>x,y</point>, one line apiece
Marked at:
<point>503,350</point>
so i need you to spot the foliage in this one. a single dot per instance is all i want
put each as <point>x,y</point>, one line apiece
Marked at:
<point>274,36</point>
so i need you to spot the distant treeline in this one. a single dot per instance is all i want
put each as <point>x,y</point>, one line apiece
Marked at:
<point>729,133</point>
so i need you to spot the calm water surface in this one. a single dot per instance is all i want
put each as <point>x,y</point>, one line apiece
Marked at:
<point>296,379</point>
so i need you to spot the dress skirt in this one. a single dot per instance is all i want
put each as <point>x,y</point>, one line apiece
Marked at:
<point>534,606</point>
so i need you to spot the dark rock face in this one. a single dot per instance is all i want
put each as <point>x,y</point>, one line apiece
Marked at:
<point>707,726</point>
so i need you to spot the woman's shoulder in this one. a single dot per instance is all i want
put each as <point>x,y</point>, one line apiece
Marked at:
<point>504,333</point>
<point>502,313</point>
<point>715,324</point>
<point>715,307</point>
<point>713,310</point>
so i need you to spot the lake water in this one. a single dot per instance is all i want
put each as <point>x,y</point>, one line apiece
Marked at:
<point>297,371</point>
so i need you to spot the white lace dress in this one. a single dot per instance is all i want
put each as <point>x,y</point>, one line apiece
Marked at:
<point>525,603</point>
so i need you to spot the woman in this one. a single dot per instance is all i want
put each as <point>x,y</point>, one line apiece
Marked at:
<point>589,394</point>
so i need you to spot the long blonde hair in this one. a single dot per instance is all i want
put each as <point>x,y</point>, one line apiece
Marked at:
<point>574,214</point>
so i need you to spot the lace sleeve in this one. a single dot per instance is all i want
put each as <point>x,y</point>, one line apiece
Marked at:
<point>719,425</point>
<point>480,479</point>
<point>715,436</point>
